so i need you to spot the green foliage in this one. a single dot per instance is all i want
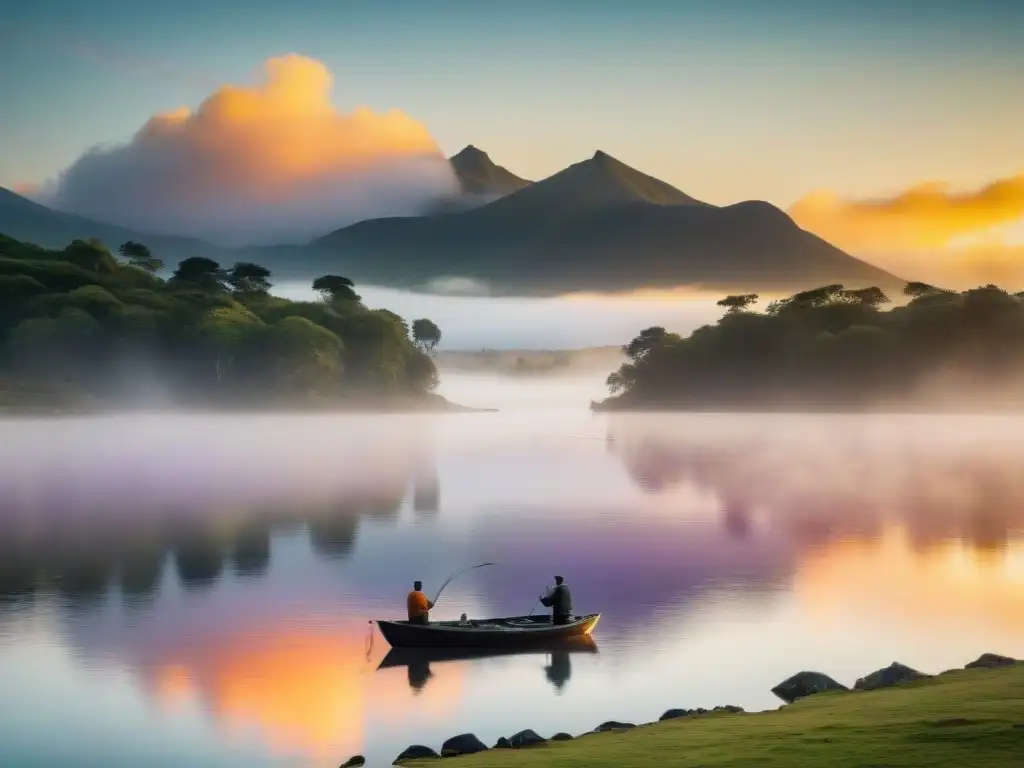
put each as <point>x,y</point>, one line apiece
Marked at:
<point>961,718</point>
<point>75,317</point>
<point>829,347</point>
<point>333,288</point>
<point>199,273</point>
<point>738,303</point>
<point>139,256</point>
<point>426,334</point>
<point>91,256</point>
<point>249,280</point>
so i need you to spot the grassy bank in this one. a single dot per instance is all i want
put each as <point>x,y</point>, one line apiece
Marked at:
<point>961,718</point>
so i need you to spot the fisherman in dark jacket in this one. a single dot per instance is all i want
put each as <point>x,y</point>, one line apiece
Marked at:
<point>559,600</point>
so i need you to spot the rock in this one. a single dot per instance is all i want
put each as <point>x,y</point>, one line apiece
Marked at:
<point>463,744</point>
<point>354,762</point>
<point>562,737</point>
<point>804,684</point>
<point>502,743</point>
<point>731,708</point>
<point>526,738</point>
<point>415,752</point>
<point>613,725</point>
<point>672,714</point>
<point>990,661</point>
<point>894,674</point>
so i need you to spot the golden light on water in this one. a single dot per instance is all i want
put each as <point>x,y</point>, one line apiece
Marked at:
<point>945,586</point>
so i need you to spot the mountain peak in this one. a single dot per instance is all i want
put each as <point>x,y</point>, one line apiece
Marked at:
<point>598,182</point>
<point>479,175</point>
<point>470,152</point>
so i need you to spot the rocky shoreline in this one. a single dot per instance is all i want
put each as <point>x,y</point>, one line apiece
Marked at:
<point>798,686</point>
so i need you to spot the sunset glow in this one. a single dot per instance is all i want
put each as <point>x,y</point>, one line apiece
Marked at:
<point>949,585</point>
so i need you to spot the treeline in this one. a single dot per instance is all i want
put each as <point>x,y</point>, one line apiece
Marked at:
<point>82,319</point>
<point>832,347</point>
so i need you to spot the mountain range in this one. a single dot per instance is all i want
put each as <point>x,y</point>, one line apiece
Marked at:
<point>598,225</point>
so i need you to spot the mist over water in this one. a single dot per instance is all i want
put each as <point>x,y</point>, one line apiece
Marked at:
<point>196,589</point>
<point>528,323</point>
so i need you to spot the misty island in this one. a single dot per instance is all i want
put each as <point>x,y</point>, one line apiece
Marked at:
<point>834,349</point>
<point>84,330</point>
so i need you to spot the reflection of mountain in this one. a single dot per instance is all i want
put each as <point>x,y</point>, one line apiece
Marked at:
<point>826,477</point>
<point>97,524</point>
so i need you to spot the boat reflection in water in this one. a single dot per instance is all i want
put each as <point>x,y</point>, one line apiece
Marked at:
<point>418,660</point>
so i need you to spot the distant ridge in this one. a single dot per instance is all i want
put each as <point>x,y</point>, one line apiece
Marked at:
<point>31,222</point>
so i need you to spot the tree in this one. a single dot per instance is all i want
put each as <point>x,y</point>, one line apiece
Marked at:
<point>738,303</point>
<point>200,272</point>
<point>426,334</point>
<point>249,280</point>
<point>333,288</point>
<point>810,299</point>
<point>221,334</point>
<point>91,256</point>
<point>54,346</point>
<point>421,373</point>
<point>139,255</point>
<point>867,297</point>
<point>648,340</point>
<point>306,357</point>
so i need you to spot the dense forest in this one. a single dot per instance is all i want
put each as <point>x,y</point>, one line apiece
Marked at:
<point>835,348</point>
<point>83,324</point>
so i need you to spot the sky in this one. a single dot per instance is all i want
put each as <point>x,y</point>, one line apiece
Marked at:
<point>729,100</point>
<point>867,121</point>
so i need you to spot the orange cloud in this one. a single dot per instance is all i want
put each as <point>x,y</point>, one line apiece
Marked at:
<point>960,268</point>
<point>925,216</point>
<point>261,163</point>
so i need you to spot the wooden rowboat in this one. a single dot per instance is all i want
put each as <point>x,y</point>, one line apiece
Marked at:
<point>513,632</point>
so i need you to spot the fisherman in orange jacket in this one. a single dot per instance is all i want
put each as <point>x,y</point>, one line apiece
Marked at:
<point>418,604</point>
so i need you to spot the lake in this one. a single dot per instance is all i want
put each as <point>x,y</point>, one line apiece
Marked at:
<point>196,590</point>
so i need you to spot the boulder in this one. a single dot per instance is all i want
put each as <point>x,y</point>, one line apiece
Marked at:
<point>415,752</point>
<point>730,708</point>
<point>463,744</point>
<point>894,674</point>
<point>990,661</point>
<point>354,762</point>
<point>672,714</point>
<point>613,725</point>
<point>804,684</point>
<point>525,738</point>
<point>502,743</point>
<point>562,737</point>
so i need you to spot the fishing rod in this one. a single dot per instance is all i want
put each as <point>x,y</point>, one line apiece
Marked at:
<point>455,576</point>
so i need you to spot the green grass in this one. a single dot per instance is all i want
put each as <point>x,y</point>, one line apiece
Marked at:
<point>964,718</point>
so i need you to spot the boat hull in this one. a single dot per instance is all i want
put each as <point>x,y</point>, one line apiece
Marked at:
<point>404,657</point>
<point>514,632</point>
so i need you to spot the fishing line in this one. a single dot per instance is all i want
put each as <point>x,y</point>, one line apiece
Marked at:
<point>456,576</point>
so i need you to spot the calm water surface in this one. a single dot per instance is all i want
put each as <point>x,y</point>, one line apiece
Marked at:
<point>196,590</point>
